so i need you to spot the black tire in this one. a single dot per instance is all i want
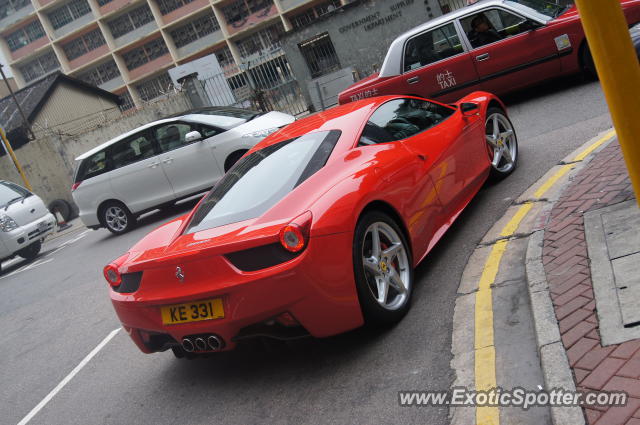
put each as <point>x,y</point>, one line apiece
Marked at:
<point>373,311</point>
<point>30,252</point>
<point>62,207</point>
<point>588,67</point>
<point>501,170</point>
<point>232,159</point>
<point>110,211</point>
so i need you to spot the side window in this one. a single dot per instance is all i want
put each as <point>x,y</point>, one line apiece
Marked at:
<point>431,46</point>
<point>93,166</point>
<point>130,150</point>
<point>208,131</point>
<point>172,136</point>
<point>492,25</point>
<point>402,118</point>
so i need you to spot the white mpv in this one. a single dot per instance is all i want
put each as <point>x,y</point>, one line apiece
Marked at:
<point>24,222</point>
<point>164,161</point>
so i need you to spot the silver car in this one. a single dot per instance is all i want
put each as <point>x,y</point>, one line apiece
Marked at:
<point>163,162</point>
<point>24,222</point>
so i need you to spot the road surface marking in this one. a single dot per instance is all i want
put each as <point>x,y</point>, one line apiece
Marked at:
<point>28,267</point>
<point>68,378</point>
<point>485,352</point>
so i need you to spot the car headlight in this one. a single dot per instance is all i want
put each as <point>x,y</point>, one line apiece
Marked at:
<point>262,133</point>
<point>7,224</point>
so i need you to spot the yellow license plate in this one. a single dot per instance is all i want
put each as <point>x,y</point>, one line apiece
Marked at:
<point>192,312</point>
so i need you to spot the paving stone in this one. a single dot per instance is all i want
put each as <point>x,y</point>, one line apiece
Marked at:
<point>580,374</point>
<point>602,373</point>
<point>573,319</point>
<point>571,294</point>
<point>574,334</point>
<point>618,415</point>
<point>592,415</point>
<point>564,310</point>
<point>626,349</point>
<point>620,383</point>
<point>579,349</point>
<point>594,357</point>
<point>631,369</point>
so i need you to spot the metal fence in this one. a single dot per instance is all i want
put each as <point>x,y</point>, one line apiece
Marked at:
<point>264,83</point>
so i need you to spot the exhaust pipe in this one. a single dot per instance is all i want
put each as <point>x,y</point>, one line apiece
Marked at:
<point>187,345</point>
<point>215,343</point>
<point>201,345</point>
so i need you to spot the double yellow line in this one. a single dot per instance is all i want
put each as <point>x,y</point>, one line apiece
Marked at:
<point>485,352</point>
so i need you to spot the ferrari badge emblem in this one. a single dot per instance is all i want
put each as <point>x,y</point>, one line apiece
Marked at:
<point>180,274</point>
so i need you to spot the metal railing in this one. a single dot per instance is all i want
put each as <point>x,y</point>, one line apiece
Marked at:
<point>265,83</point>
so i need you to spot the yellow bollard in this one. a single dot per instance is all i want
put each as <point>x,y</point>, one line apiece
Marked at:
<point>617,64</point>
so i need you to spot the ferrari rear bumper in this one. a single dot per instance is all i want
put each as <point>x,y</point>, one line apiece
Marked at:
<point>317,288</point>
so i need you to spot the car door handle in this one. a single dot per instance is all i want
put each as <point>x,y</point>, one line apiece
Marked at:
<point>413,80</point>
<point>422,157</point>
<point>482,57</point>
<point>168,160</point>
<point>154,165</point>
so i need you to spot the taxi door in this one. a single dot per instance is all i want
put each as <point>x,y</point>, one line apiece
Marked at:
<point>437,65</point>
<point>513,51</point>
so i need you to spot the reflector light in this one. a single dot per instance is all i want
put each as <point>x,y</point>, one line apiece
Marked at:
<point>112,275</point>
<point>287,319</point>
<point>75,186</point>
<point>291,238</point>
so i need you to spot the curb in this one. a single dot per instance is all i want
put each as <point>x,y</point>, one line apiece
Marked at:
<point>556,371</point>
<point>553,356</point>
<point>76,225</point>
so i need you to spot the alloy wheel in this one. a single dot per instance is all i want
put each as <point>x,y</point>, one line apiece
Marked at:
<point>502,143</point>
<point>116,218</point>
<point>386,266</point>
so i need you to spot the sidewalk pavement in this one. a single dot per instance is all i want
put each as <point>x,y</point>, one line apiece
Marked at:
<point>590,256</point>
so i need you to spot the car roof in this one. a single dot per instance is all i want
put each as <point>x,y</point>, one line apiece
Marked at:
<point>348,118</point>
<point>220,121</point>
<point>391,64</point>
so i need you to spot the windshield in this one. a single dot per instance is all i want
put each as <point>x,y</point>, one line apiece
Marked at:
<point>11,192</point>
<point>548,8</point>
<point>260,180</point>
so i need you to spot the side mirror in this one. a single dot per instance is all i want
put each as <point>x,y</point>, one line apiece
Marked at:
<point>469,109</point>
<point>192,136</point>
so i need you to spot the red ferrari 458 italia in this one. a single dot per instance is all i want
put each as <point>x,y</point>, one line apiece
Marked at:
<point>317,229</point>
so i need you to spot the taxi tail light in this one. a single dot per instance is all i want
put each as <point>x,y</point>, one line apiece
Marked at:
<point>295,235</point>
<point>75,186</point>
<point>112,275</point>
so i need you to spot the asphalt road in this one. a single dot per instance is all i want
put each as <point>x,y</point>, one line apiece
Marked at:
<point>56,310</point>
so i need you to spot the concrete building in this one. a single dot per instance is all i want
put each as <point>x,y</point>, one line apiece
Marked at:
<point>330,53</point>
<point>127,46</point>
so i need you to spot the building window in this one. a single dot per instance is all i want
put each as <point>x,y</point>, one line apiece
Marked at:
<point>154,87</point>
<point>320,55</point>
<point>168,6</point>
<point>103,2</point>
<point>100,74</point>
<point>84,44</point>
<point>237,12</point>
<point>224,56</point>
<point>68,13</point>
<point>7,7</point>
<point>126,101</point>
<point>25,35</point>
<point>131,20</point>
<point>195,30</point>
<point>39,67</point>
<point>145,53</point>
<point>313,13</point>
<point>263,40</point>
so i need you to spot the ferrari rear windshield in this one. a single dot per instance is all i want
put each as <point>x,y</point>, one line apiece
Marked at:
<point>260,180</point>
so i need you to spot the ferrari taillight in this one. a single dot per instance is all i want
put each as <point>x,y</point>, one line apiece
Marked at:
<point>295,235</point>
<point>112,275</point>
